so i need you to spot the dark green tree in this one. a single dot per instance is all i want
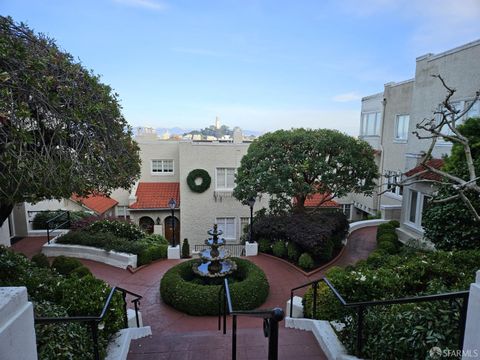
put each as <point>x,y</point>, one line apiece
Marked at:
<point>449,224</point>
<point>61,129</point>
<point>294,164</point>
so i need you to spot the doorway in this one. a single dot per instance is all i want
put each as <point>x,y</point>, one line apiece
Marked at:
<point>169,226</point>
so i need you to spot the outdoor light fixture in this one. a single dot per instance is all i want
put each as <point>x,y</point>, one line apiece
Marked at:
<point>251,202</point>
<point>172,204</point>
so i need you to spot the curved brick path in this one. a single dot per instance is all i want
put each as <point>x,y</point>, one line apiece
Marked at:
<point>180,336</point>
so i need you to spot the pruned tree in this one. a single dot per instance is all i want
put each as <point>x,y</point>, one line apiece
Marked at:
<point>61,129</point>
<point>461,185</point>
<point>291,165</point>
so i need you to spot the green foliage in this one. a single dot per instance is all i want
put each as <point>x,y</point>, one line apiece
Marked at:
<point>305,261</point>
<point>184,291</point>
<point>147,249</point>
<point>76,132</point>
<point>155,239</point>
<point>185,249</point>
<point>296,163</point>
<point>279,249</point>
<point>264,246</point>
<point>56,295</point>
<point>40,220</point>
<point>81,271</point>
<point>199,174</point>
<point>450,225</point>
<point>121,229</point>
<point>41,260</point>
<point>319,234</point>
<point>408,330</point>
<point>293,251</point>
<point>394,223</point>
<point>65,265</point>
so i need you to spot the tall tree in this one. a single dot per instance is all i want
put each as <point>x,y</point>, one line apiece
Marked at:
<point>61,129</point>
<point>294,164</point>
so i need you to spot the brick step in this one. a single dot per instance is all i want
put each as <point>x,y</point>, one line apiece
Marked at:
<point>251,344</point>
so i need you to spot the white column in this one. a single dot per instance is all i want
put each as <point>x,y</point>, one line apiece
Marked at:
<point>251,249</point>
<point>17,333</point>
<point>471,343</point>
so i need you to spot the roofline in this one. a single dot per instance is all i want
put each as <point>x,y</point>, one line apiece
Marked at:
<point>368,97</point>
<point>431,57</point>
<point>144,209</point>
<point>393,83</point>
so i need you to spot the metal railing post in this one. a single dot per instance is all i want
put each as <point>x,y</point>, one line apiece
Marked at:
<point>463,320</point>
<point>234,337</point>
<point>48,232</point>
<point>276,317</point>
<point>94,328</point>
<point>224,315</point>
<point>360,311</point>
<point>220,309</point>
<point>125,313</point>
<point>291,304</point>
<point>314,311</point>
<point>69,220</point>
<point>135,303</point>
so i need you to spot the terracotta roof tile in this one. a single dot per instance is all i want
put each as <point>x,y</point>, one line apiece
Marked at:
<point>156,195</point>
<point>98,203</point>
<point>315,199</point>
<point>434,163</point>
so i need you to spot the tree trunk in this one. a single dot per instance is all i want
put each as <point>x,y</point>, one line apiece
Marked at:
<point>5,210</point>
<point>299,204</point>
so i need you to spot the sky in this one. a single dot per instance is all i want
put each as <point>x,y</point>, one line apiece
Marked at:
<point>260,65</point>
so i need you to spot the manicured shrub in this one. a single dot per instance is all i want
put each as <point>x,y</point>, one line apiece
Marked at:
<point>394,223</point>
<point>385,228</point>
<point>305,261</point>
<point>40,220</point>
<point>313,233</point>
<point>181,289</point>
<point>81,271</point>
<point>264,246</point>
<point>185,249</point>
<point>121,229</point>
<point>55,295</point>
<point>279,249</point>
<point>65,265</point>
<point>293,251</point>
<point>387,246</point>
<point>41,260</point>
<point>155,239</point>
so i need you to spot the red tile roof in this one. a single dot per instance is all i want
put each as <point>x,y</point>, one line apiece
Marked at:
<point>315,199</point>
<point>156,195</point>
<point>98,203</point>
<point>434,163</point>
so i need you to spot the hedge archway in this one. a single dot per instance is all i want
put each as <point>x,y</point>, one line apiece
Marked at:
<point>194,175</point>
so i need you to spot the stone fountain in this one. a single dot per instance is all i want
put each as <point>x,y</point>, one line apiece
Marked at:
<point>215,262</point>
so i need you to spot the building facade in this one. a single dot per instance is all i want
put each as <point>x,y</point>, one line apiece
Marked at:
<point>388,120</point>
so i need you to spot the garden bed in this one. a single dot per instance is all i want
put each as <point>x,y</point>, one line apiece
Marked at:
<point>188,293</point>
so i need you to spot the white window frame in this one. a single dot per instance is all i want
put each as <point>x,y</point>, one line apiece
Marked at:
<point>397,138</point>
<point>234,238</point>
<point>364,123</point>
<point>226,177</point>
<point>395,191</point>
<point>162,173</point>
<point>418,210</point>
<point>349,215</point>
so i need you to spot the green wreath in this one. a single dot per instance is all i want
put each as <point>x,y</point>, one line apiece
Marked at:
<point>194,175</point>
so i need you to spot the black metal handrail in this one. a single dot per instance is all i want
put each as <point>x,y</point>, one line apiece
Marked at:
<point>93,321</point>
<point>271,318</point>
<point>234,249</point>
<point>361,305</point>
<point>49,230</point>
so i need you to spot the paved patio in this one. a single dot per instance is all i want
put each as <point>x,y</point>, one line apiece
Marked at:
<point>180,336</point>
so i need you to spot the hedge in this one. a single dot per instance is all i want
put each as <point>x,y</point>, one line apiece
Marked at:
<point>181,289</point>
<point>408,330</point>
<point>40,220</point>
<point>55,295</point>
<point>65,265</point>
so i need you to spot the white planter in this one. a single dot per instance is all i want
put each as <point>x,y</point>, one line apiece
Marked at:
<point>173,252</point>
<point>251,249</point>
<point>297,308</point>
<point>113,258</point>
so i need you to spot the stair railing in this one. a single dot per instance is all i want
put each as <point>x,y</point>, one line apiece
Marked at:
<point>271,318</point>
<point>362,305</point>
<point>58,226</point>
<point>94,321</point>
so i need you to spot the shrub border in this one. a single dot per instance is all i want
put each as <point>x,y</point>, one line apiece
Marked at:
<point>195,174</point>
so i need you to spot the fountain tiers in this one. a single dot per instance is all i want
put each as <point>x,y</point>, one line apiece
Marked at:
<point>215,262</point>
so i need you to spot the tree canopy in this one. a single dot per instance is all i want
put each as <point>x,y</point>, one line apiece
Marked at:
<point>61,129</point>
<point>461,231</point>
<point>294,164</point>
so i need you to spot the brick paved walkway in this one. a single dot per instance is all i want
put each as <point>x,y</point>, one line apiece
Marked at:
<point>180,336</point>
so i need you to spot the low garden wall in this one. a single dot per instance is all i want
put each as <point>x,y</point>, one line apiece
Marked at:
<point>365,223</point>
<point>113,258</point>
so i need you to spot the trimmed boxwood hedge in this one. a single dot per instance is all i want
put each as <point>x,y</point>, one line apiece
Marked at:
<point>181,289</point>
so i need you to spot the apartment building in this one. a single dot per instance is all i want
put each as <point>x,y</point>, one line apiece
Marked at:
<point>388,120</point>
